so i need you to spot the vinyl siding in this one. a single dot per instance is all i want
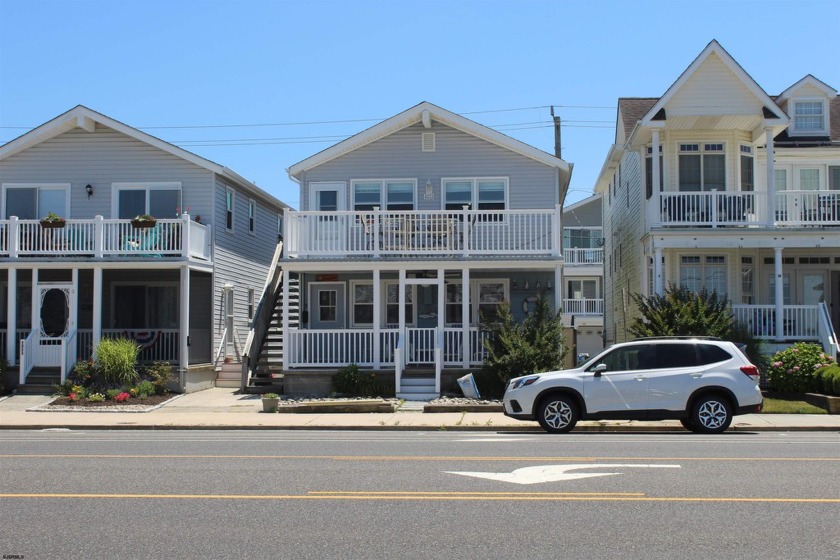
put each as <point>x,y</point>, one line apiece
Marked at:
<point>101,158</point>
<point>457,154</point>
<point>713,89</point>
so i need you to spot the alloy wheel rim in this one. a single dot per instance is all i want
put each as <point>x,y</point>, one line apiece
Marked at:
<point>558,414</point>
<point>712,414</point>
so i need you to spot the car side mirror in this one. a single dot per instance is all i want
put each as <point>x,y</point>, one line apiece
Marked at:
<point>599,369</point>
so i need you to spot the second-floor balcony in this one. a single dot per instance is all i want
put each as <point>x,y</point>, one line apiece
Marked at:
<point>375,233</point>
<point>100,237</point>
<point>747,209</point>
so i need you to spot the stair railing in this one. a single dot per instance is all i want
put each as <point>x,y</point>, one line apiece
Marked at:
<point>68,355</point>
<point>262,317</point>
<point>221,349</point>
<point>27,356</point>
<point>438,359</point>
<point>828,337</point>
<point>399,362</point>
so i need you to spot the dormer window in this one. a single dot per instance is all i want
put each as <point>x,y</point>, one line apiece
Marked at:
<point>809,117</point>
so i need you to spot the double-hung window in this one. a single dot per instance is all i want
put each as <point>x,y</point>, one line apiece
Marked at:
<point>702,167</point>
<point>703,271</point>
<point>362,303</point>
<point>230,198</point>
<point>387,194</point>
<point>161,200</point>
<point>30,202</point>
<point>809,117</point>
<point>490,193</point>
<point>252,217</point>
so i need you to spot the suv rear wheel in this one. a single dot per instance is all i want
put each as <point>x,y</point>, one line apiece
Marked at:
<point>558,414</point>
<point>711,414</point>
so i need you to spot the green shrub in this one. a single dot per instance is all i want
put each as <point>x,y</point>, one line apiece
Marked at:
<point>96,397</point>
<point>352,381</point>
<point>792,369</point>
<point>112,393</point>
<point>836,385</point>
<point>824,379</point>
<point>146,388</point>
<point>116,360</point>
<point>160,374</point>
<point>271,396</point>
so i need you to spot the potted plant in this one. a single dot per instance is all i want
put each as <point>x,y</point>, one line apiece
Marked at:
<point>270,402</point>
<point>144,221</point>
<point>53,220</point>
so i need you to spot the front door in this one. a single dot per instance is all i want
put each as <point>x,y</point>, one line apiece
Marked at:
<point>56,321</point>
<point>326,233</point>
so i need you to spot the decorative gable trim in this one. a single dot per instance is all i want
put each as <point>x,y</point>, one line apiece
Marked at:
<point>809,80</point>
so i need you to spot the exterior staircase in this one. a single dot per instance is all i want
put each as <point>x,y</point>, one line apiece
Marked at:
<point>268,373</point>
<point>40,381</point>
<point>417,385</point>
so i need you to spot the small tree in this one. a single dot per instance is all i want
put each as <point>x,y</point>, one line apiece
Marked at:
<point>515,349</point>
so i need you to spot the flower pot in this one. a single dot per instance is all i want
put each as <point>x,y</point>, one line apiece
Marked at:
<point>55,224</point>
<point>144,224</point>
<point>270,405</point>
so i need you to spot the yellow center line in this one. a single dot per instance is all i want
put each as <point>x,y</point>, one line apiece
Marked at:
<point>431,496</point>
<point>417,458</point>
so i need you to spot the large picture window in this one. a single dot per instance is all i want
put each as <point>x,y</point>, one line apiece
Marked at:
<point>489,193</point>
<point>702,167</point>
<point>387,194</point>
<point>703,271</point>
<point>30,202</point>
<point>161,200</point>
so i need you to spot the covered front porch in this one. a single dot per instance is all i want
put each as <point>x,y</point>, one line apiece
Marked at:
<point>53,315</point>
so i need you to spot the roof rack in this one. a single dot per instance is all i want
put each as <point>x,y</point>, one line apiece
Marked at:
<point>688,337</point>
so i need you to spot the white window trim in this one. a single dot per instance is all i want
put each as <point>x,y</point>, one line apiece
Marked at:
<point>340,187</point>
<point>159,186</point>
<point>474,189</point>
<point>745,154</point>
<point>232,210</point>
<point>701,152</point>
<point>702,267</point>
<point>314,305</point>
<point>474,293</point>
<point>797,179</point>
<point>409,321</point>
<point>383,190</point>
<point>47,186</point>
<point>813,132</point>
<point>252,218</point>
<point>352,304</point>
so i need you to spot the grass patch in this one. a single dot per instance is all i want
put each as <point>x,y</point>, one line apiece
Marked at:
<point>789,405</point>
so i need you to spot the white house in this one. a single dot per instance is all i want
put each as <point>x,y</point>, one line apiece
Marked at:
<point>184,289</point>
<point>718,185</point>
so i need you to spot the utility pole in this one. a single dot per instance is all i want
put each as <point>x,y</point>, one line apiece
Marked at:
<point>558,150</point>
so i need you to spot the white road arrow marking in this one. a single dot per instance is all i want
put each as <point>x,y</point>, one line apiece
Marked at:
<point>554,473</point>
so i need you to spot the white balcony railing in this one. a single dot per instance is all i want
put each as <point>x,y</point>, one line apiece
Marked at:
<point>583,257</point>
<point>725,208</point>
<point>799,322</point>
<point>156,345</point>
<point>583,306</point>
<point>422,233</point>
<point>100,237</point>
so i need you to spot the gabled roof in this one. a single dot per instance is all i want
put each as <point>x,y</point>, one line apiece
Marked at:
<point>632,109</point>
<point>85,118</point>
<point>829,91</point>
<point>714,48</point>
<point>425,112</point>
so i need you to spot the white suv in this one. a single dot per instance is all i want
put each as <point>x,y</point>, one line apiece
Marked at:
<point>701,382</point>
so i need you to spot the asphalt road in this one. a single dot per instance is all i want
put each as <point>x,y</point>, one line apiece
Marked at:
<point>198,494</point>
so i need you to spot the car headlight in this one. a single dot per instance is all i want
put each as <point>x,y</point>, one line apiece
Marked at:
<point>524,381</point>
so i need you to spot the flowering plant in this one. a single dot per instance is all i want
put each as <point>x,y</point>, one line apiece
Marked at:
<point>122,397</point>
<point>72,397</point>
<point>792,369</point>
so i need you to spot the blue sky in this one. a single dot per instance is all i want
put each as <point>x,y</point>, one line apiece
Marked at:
<point>156,65</point>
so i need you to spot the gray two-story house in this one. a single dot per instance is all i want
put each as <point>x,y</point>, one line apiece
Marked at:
<point>409,232</point>
<point>183,285</point>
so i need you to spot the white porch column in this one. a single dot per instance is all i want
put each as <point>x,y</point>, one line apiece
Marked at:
<point>401,332</point>
<point>771,177</point>
<point>184,333</point>
<point>465,318</point>
<point>11,317</point>
<point>74,309</point>
<point>401,303</point>
<point>558,288</point>
<point>97,309</point>
<point>377,323</point>
<point>36,302</point>
<point>658,280</point>
<point>655,179</point>
<point>441,323</point>
<point>780,293</point>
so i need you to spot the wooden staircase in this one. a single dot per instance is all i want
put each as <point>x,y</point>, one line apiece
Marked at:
<point>268,374</point>
<point>40,381</point>
<point>418,385</point>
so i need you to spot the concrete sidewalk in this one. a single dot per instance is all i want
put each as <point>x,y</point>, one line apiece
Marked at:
<point>223,409</point>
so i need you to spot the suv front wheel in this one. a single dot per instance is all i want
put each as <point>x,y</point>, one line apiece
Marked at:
<point>711,414</point>
<point>558,414</point>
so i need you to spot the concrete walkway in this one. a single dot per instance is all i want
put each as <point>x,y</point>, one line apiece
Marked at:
<point>223,409</point>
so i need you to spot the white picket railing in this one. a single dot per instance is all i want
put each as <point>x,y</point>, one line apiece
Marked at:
<point>156,345</point>
<point>100,237</point>
<point>419,233</point>
<point>799,322</point>
<point>27,356</point>
<point>583,257</point>
<point>583,306</point>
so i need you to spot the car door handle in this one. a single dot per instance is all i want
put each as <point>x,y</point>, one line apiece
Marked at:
<point>640,378</point>
<point>696,375</point>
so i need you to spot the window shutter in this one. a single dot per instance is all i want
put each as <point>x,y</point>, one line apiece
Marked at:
<point>428,142</point>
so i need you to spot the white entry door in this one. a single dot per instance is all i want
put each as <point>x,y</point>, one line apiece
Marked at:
<point>327,231</point>
<point>56,320</point>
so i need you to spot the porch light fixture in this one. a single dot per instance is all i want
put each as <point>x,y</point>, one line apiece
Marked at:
<point>89,190</point>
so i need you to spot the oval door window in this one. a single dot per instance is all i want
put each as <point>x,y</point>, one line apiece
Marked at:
<point>55,311</point>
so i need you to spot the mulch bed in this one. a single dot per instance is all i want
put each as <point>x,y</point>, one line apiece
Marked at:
<point>84,403</point>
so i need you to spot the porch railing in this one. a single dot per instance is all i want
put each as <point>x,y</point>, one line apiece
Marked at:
<point>733,208</point>
<point>335,348</point>
<point>583,257</point>
<point>156,345</point>
<point>100,237</point>
<point>799,322</point>
<point>434,232</point>
<point>583,306</point>
<point>20,334</point>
